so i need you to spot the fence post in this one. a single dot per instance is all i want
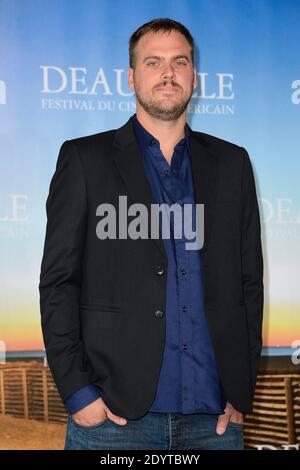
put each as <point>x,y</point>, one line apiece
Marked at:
<point>2,391</point>
<point>45,395</point>
<point>25,394</point>
<point>289,409</point>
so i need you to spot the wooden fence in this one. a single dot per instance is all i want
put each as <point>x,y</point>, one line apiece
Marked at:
<point>27,390</point>
<point>275,419</point>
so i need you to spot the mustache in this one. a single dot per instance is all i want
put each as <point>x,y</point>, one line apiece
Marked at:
<point>166,83</point>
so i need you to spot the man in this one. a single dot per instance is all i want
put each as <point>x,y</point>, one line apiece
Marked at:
<point>153,345</point>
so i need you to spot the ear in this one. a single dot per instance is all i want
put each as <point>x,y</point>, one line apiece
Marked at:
<point>131,77</point>
<point>195,84</point>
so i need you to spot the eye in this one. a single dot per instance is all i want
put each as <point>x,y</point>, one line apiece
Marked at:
<point>180,62</point>
<point>152,63</point>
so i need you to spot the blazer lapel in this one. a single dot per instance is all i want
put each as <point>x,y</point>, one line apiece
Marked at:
<point>204,168</point>
<point>129,162</point>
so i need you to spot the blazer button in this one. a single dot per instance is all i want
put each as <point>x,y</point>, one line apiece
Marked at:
<point>159,271</point>
<point>159,313</point>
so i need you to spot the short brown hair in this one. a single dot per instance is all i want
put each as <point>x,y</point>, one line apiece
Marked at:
<point>156,25</point>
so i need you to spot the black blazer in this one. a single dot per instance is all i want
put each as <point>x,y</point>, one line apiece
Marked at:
<point>99,298</point>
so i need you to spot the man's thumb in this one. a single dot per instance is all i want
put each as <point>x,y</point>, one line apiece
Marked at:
<point>222,424</point>
<point>117,419</point>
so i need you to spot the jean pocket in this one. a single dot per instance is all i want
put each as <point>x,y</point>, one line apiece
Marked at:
<point>88,427</point>
<point>239,426</point>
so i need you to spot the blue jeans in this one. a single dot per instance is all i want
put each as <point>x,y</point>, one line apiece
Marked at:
<point>163,431</point>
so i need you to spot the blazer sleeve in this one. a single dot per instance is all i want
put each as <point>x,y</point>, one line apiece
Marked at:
<point>60,276</point>
<point>252,265</point>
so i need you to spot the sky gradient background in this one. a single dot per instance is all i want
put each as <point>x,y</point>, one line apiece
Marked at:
<point>257,42</point>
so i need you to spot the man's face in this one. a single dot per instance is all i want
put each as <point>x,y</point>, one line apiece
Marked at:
<point>164,77</point>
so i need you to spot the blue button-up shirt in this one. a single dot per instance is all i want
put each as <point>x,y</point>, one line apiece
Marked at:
<point>189,381</point>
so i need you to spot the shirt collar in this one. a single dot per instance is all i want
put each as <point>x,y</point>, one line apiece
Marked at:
<point>145,138</point>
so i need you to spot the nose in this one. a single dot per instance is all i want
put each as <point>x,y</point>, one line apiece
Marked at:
<point>168,72</point>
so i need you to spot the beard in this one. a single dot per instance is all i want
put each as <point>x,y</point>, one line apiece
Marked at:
<point>160,111</point>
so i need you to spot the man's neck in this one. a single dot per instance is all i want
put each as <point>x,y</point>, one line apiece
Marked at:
<point>169,133</point>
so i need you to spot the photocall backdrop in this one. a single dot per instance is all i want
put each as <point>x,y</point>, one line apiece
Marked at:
<point>63,74</point>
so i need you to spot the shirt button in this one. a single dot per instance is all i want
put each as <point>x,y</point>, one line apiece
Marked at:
<point>184,347</point>
<point>166,173</point>
<point>152,142</point>
<point>184,308</point>
<point>159,313</point>
<point>159,271</point>
<point>183,272</point>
